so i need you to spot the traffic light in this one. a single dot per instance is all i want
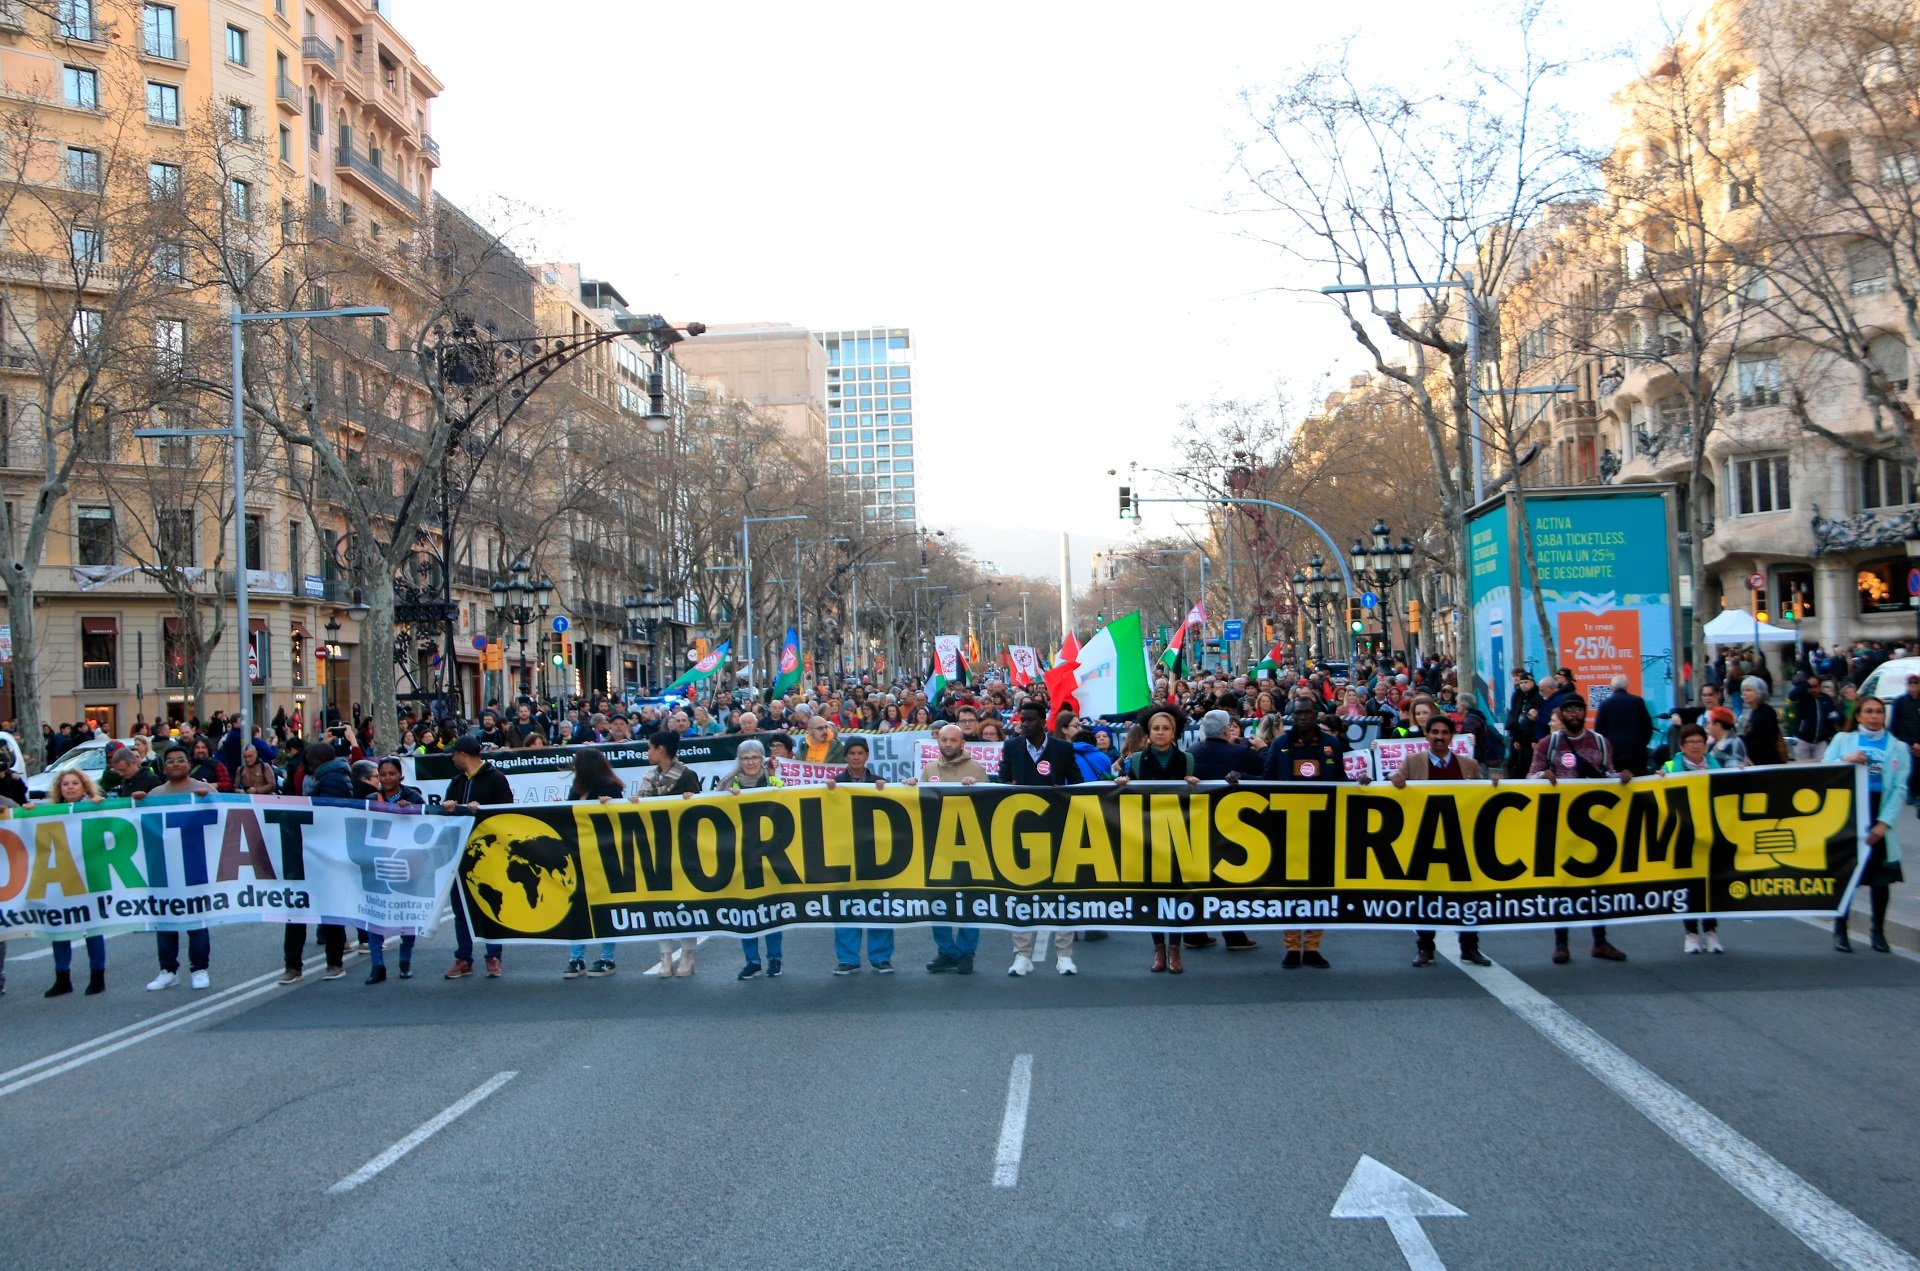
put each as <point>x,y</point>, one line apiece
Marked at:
<point>1413,615</point>
<point>1127,508</point>
<point>1266,629</point>
<point>1356,616</point>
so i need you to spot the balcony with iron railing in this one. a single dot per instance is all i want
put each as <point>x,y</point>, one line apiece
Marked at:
<point>430,148</point>
<point>375,177</point>
<point>288,94</point>
<point>316,50</point>
<point>159,46</point>
<point>99,675</point>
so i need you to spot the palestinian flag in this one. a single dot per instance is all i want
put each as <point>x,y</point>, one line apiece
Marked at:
<point>948,666</point>
<point>1272,661</point>
<point>789,676</point>
<point>704,669</point>
<point>1175,655</point>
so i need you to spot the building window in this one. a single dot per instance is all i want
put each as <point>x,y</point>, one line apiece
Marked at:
<point>240,199</point>
<point>240,121</point>
<point>160,32</point>
<point>75,20</point>
<point>163,180</point>
<point>169,345</point>
<point>99,652</point>
<point>286,144</point>
<point>86,245</point>
<point>82,87</point>
<point>1899,165</point>
<point>1885,483</point>
<point>1867,268</point>
<point>1740,98</point>
<point>173,537</point>
<point>1758,485</point>
<point>174,452</point>
<point>176,652</point>
<point>236,46</point>
<point>1749,285</point>
<point>93,536</point>
<point>83,169</point>
<point>85,327</point>
<point>1760,381</point>
<point>163,104</point>
<point>170,262</point>
<point>256,539</point>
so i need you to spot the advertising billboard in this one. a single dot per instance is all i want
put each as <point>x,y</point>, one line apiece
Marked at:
<point>1607,571</point>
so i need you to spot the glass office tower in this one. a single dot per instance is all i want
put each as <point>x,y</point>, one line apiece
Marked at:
<point>870,472</point>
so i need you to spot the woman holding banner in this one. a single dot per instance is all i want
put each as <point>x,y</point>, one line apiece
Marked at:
<point>1695,756</point>
<point>1161,759</point>
<point>593,778</point>
<point>75,787</point>
<point>750,772</point>
<point>1868,743</point>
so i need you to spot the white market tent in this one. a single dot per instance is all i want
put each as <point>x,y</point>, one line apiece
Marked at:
<point>1733,626</point>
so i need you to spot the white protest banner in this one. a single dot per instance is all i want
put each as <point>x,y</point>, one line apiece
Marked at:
<point>179,862</point>
<point>1391,752</point>
<point>984,753</point>
<point>792,772</point>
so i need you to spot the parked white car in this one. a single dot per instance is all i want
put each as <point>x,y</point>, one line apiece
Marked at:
<point>1889,680</point>
<point>89,757</point>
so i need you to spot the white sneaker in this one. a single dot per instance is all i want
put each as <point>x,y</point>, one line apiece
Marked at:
<point>201,980</point>
<point>1066,965</point>
<point>1022,965</point>
<point>1712,941</point>
<point>164,980</point>
<point>1693,943</point>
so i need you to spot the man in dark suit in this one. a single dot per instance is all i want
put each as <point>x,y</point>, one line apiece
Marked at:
<point>1036,758</point>
<point>1623,719</point>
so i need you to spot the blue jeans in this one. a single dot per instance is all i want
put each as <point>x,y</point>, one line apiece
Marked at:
<point>956,942</point>
<point>377,949</point>
<point>199,950</point>
<point>776,940</point>
<point>846,945</point>
<point>578,952</point>
<point>96,954</point>
<point>463,936</point>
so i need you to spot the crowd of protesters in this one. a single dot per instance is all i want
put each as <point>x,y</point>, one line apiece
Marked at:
<point>1283,724</point>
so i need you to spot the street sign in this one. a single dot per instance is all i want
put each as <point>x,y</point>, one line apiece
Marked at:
<point>559,625</point>
<point>253,662</point>
<point>1756,582</point>
<point>480,643</point>
<point>1913,582</point>
<point>1368,600</point>
<point>1233,628</point>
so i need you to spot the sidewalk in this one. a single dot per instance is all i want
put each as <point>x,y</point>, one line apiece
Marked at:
<point>1903,916</point>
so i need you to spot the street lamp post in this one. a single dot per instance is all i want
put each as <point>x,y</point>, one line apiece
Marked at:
<point>520,601</point>
<point>853,604</point>
<point>746,563</point>
<point>237,318</point>
<point>333,668</point>
<point>799,619</point>
<point>1315,591</point>
<point>647,611</point>
<point>1381,568</point>
<point>1024,638</point>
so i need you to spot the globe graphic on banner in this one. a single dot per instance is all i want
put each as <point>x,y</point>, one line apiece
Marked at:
<point>519,873</point>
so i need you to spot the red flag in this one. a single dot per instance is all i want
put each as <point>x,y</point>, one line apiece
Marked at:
<point>1063,680</point>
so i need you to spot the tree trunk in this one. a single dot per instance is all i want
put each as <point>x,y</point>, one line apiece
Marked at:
<point>376,654</point>
<point>1528,563</point>
<point>24,669</point>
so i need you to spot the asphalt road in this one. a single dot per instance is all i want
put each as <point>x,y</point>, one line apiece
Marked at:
<point>1207,1119</point>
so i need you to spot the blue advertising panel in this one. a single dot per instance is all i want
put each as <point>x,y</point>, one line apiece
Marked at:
<point>1605,562</point>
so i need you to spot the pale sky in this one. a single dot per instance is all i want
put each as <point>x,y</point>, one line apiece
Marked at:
<point>1037,190</point>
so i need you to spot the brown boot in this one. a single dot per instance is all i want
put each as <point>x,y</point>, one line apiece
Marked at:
<point>1173,957</point>
<point>1159,958</point>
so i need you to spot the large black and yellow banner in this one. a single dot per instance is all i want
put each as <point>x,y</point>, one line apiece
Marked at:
<point>1776,841</point>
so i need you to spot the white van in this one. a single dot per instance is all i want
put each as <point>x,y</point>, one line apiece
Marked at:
<point>1889,680</point>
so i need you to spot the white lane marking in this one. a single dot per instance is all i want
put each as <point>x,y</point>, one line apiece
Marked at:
<point>15,958</point>
<point>1803,1209</point>
<point>89,1051</point>
<point>654,970</point>
<point>1013,1125</point>
<point>1375,1191</point>
<point>446,1118</point>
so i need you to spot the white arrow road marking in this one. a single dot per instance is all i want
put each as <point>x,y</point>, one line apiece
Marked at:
<point>1837,1235</point>
<point>1013,1125</point>
<point>1374,1191</point>
<point>378,1164</point>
